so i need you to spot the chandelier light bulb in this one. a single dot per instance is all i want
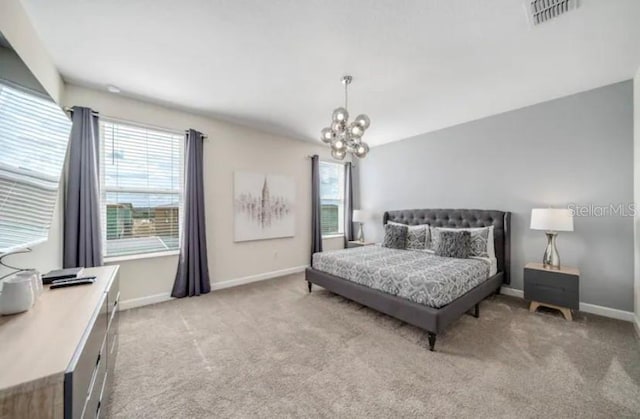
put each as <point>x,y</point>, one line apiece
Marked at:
<point>338,154</point>
<point>355,130</point>
<point>340,115</point>
<point>327,135</point>
<point>362,121</point>
<point>361,150</point>
<point>338,145</point>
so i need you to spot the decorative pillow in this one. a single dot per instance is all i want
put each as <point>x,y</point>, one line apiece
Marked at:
<point>481,240</point>
<point>417,236</point>
<point>454,244</point>
<point>395,236</point>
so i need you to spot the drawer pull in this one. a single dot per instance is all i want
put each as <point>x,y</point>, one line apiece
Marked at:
<point>95,375</point>
<point>113,314</point>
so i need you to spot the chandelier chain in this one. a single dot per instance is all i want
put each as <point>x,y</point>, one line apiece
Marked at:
<point>346,95</point>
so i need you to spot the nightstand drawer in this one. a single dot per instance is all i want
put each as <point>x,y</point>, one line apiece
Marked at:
<point>551,287</point>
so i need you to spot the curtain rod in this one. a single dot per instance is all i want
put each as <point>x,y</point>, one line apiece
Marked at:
<point>96,113</point>
<point>309,156</point>
<point>70,110</point>
<point>204,136</point>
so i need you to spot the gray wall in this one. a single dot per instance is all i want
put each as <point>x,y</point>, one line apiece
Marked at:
<point>577,149</point>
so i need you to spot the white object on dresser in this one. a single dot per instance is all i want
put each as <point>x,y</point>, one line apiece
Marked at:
<point>36,280</point>
<point>17,294</point>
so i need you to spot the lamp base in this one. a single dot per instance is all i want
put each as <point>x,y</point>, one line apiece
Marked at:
<point>360,233</point>
<point>551,258</point>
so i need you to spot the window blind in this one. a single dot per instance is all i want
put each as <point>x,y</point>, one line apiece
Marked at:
<point>141,188</point>
<point>34,133</point>
<point>331,198</point>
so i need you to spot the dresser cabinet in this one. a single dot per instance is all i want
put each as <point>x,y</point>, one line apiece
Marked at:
<point>64,351</point>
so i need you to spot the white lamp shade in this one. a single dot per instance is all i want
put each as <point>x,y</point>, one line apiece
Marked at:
<point>359,216</point>
<point>551,219</point>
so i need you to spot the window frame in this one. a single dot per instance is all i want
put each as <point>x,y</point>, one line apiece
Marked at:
<point>340,232</point>
<point>104,190</point>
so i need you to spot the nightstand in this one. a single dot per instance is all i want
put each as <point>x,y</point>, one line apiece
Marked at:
<point>356,243</point>
<point>554,288</point>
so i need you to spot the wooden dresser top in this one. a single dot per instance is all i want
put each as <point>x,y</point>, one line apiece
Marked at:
<point>41,342</point>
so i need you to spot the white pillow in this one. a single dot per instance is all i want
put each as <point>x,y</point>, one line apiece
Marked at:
<point>491,249</point>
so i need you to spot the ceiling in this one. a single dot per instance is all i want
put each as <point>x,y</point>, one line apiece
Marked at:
<point>418,65</point>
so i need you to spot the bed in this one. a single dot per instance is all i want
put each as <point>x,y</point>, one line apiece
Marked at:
<point>416,287</point>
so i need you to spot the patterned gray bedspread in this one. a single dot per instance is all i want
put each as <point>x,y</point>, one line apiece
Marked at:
<point>415,275</point>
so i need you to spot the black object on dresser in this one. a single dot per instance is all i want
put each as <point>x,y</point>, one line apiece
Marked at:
<point>553,288</point>
<point>88,378</point>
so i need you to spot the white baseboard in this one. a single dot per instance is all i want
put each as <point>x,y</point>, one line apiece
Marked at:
<point>585,307</point>
<point>255,278</point>
<point>145,301</point>
<point>512,292</point>
<point>636,323</point>
<point>607,312</point>
<point>215,286</point>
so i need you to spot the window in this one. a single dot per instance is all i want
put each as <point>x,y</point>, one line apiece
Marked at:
<point>331,198</point>
<point>33,138</point>
<point>141,189</point>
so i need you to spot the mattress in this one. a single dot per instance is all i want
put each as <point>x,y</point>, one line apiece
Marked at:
<point>493,262</point>
<point>421,277</point>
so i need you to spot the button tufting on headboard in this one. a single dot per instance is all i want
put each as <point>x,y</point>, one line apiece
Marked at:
<point>461,218</point>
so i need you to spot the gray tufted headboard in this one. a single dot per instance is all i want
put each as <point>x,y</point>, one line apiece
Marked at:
<point>458,218</point>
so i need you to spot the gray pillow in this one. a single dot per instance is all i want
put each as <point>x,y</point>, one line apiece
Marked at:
<point>417,236</point>
<point>395,236</point>
<point>479,239</point>
<point>480,242</point>
<point>453,244</point>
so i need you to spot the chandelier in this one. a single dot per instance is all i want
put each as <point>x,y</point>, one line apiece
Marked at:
<point>344,136</point>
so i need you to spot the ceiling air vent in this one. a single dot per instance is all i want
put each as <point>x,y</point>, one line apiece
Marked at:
<point>540,11</point>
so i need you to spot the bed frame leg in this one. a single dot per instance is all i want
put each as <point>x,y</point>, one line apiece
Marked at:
<point>309,285</point>
<point>432,341</point>
<point>476,311</point>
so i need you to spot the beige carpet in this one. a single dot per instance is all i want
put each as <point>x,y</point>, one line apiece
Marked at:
<point>270,349</point>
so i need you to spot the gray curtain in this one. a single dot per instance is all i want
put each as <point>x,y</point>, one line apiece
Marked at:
<point>348,203</point>
<point>316,228</point>
<point>82,243</point>
<point>192,277</point>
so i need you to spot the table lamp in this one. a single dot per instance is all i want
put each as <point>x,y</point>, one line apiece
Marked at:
<point>360,217</point>
<point>551,221</point>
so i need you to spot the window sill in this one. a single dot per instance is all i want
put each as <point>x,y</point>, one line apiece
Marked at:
<point>333,236</point>
<point>122,258</point>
